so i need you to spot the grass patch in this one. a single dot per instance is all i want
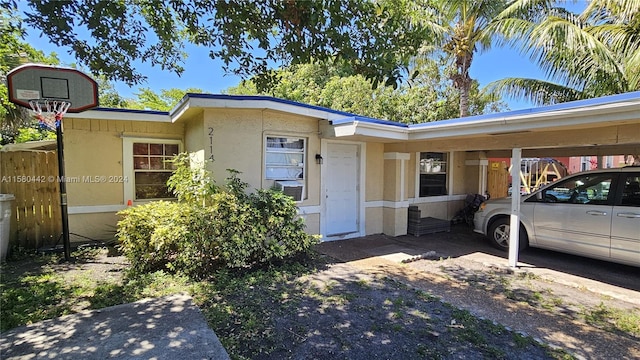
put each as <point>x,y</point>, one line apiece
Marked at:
<point>44,292</point>
<point>610,319</point>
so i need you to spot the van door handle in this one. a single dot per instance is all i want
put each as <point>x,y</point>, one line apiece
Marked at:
<point>629,215</point>
<point>597,213</point>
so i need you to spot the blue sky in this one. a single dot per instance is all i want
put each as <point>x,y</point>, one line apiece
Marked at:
<point>204,73</point>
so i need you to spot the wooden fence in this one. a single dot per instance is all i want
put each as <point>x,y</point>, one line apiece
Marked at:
<point>32,177</point>
<point>497,179</point>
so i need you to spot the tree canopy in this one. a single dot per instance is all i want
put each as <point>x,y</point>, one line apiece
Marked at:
<point>14,52</point>
<point>376,38</point>
<point>428,97</point>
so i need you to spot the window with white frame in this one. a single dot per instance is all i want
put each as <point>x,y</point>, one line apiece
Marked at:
<point>433,174</point>
<point>147,163</point>
<point>285,158</point>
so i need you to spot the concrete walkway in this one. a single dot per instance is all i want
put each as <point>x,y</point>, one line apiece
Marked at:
<point>163,328</point>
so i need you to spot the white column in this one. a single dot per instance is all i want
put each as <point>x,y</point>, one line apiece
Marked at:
<point>514,233</point>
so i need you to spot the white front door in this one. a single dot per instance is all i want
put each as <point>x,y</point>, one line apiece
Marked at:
<point>341,189</point>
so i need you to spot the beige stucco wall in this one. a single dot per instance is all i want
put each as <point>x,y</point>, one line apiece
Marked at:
<point>463,180</point>
<point>392,177</point>
<point>93,150</point>
<point>374,220</point>
<point>374,191</point>
<point>456,168</point>
<point>238,143</point>
<point>440,209</point>
<point>395,221</point>
<point>374,172</point>
<point>458,173</point>
<point>195,138</point>
<point>98,226</point>
<point>312,223</point>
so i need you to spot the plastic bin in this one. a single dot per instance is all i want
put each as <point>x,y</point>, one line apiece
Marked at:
<point>5,223</point>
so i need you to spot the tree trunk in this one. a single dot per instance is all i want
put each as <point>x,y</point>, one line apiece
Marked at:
<point>464,100</point>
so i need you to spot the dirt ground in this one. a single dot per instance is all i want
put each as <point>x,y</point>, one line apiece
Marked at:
<point>436,307</point>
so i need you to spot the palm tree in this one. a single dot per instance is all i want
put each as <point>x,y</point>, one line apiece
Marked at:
<point>468,30</point>
<point>585,55</point>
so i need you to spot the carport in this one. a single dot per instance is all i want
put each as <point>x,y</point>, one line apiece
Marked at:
<point>595,127</point>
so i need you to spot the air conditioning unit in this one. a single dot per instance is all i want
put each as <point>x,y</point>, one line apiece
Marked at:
<point>292,188</point>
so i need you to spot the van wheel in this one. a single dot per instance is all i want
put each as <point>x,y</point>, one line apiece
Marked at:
<point>499,235</point>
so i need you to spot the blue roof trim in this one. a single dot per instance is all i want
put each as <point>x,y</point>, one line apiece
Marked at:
<point>265,98</point>
<point>538,110</point>
<point>131,111</point>
<point>352,119</point>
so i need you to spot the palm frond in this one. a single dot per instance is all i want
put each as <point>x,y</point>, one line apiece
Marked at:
<point>538,92</point>
<point>569,54</point>
<point>624,11</point>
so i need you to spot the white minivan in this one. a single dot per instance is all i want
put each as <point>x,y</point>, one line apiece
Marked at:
<point>594,214</point>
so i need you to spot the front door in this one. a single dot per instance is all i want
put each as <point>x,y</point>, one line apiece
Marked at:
<point>341,189</point>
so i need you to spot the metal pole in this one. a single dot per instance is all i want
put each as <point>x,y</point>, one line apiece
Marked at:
<point>63,194</point>
<point>514,225</point>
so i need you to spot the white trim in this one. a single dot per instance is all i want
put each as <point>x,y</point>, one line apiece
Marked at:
<point>449,173</point>
<point>362,151</point>
<point>307,210</point>
<point>305,156</point>
<point>372,130</point>
<point>450,161</point>
<point>120,116</point>
<point>136,137</point>
<point>514,223</point>
<point>374,204</point>
<point>95,209</point>
<point>434,199</point>
<point>482,179</point>
<point>231,103</point>
<point>524,122</point>
<point>127,163</point>
<point>387,204</point>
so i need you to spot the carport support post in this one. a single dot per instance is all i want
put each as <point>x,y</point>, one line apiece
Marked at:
<point>514,227</point>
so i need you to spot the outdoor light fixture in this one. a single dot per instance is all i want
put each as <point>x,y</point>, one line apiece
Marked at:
<point>319,159</point>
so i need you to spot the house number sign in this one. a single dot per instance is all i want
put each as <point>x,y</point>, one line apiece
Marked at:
<point>211,158</point>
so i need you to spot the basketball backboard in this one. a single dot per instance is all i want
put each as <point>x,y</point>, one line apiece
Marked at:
<point>37,81</point>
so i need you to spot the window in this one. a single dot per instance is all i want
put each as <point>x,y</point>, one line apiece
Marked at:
<point>146,163</point>
<point>590,189</point>
<point>285,158</point>
<point>631,191</point>
<point>433,174</point>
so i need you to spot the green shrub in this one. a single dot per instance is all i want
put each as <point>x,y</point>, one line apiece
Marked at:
<point>209,228</point>
<point>150,234</point>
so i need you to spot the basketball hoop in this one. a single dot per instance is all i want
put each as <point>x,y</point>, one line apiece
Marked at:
<point>50,92</point>
<point>49,112</point>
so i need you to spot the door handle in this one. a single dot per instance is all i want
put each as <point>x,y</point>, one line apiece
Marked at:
<point>629,215</point>
<point>597,213</point>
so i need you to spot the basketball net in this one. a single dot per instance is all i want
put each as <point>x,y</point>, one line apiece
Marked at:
<point>49,112</point>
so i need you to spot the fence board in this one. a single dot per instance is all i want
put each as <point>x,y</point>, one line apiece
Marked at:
<point>497,179</point>
<point>31,177</point>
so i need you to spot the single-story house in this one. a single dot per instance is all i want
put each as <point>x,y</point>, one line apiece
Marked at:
<point>351,175</point>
